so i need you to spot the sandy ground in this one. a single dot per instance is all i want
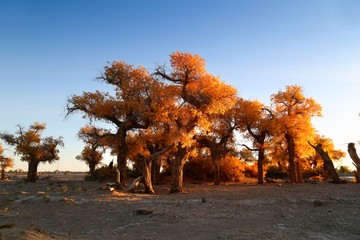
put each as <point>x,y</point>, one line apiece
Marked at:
<point>66,207</point>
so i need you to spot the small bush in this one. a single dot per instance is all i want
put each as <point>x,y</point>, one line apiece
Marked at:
<point>101,174</point>
<point>311,173</point>
<point>232,169</point>
<point>134,172</point>
<point>343,169</point>
<point>276,172</point>
<point>318,203</point>
<point>251,171</point>
<point>198,168</point>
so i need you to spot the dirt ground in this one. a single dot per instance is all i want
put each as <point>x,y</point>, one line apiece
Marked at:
<point>67,207</point>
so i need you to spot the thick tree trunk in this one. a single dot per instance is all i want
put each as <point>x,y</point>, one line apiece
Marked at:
<point>122,152</point>
<point>216,171</point>
<point>291,151</point>
<point>177,171</point>
<point>32,171</point>
<point>356,160</point>
<point>121,160</point>
<point>2,173</point>
<point>328,164</point>
<point>155,171</point>
<point>298,172</point>
<point>92,169</point>
<point>261,157</point>
<point>147,176</point>
<point>216,158</point>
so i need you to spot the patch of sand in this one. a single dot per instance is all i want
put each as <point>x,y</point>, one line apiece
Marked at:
<point>66,207</point>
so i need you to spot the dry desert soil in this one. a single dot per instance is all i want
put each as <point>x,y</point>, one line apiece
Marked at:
<point>64,206</point>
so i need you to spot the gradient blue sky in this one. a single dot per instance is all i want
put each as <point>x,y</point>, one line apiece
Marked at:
<point>52,49</point>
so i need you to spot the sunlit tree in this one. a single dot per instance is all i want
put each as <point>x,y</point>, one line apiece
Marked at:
<point>314,160</point>
<point>294,112</point>
<point>220,138</point>
<point>256,124</point>
<point>200,94</point>
<point>33,148</point>
<point>5,162</point>
<point>93,150</point>
<point>131,107</point>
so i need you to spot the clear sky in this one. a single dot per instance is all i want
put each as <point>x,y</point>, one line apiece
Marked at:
<point>52,49</point>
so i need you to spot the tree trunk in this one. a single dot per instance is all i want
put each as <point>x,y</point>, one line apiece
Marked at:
<point>216,157</point>
<point>291,151</point>
<point>356,160</point>
<point>32,171</point>
<point>2,173</point>
<point>147,176</point>
<point>177,171</point>
<point>146,166</point>
<point>122,152</point>
<point>155,171</point>
<point>118,178</point>
<point>298,172</point>
<point>121,160</point>
<point>328,164</point>
<point>261,157</point>
<point>92,169</point>
<point>216,171</point>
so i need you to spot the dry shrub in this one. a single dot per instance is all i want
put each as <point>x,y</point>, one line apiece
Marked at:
<point>276,172</point>
<point>232,169</point>
<point>251,170</point>
<point>317,178</point>
<point>201,168</point>
<point>198,168</point>
<point>103,173</point>
<point>311,173</point>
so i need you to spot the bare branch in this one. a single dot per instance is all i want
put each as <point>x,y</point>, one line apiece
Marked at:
<point>251,149</point>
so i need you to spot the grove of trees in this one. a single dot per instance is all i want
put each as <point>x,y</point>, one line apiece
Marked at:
<point>181,111</point>
<point>182,115</point>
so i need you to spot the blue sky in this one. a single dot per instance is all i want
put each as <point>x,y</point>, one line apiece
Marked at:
<point>52,49</point>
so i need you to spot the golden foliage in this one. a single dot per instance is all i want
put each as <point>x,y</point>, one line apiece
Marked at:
<point>180,103</point>
<point>201,168</point>
<point>31,146</point>
<point>294,113</point>
<point>232,169</point>
<point>5,162</point>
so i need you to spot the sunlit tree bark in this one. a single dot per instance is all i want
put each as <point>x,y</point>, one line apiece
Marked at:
<point>356,160</point>
<point>328,164</point>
